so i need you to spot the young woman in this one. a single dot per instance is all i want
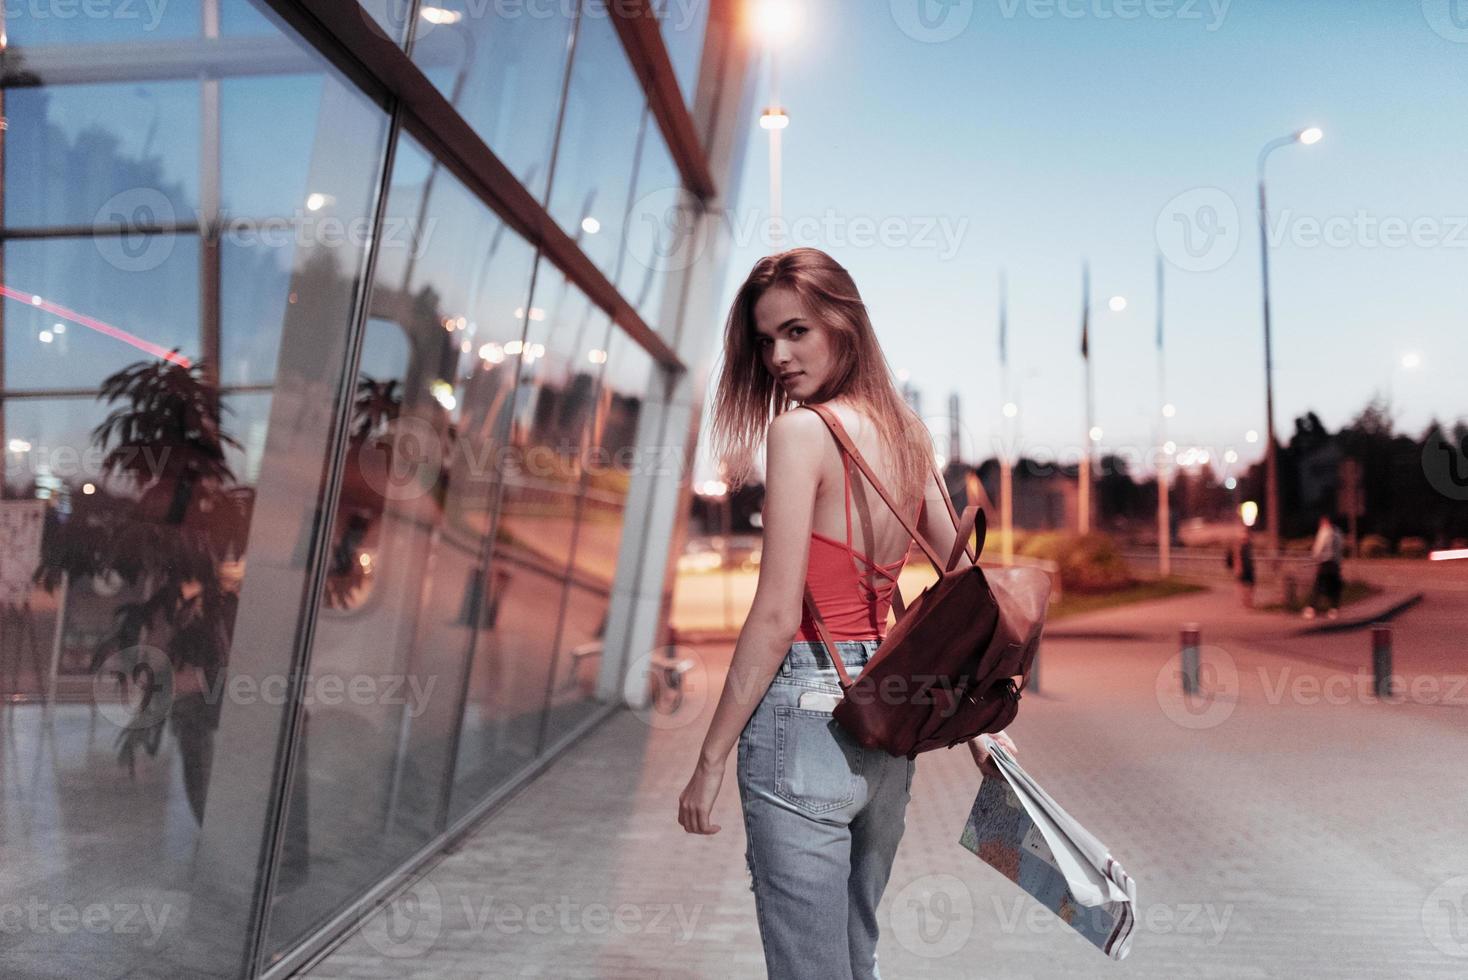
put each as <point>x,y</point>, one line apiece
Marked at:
<point>822,815</point>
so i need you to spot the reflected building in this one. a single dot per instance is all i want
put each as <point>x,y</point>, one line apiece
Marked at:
<point>347,367</point>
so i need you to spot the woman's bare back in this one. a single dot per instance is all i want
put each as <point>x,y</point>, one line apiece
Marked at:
<point>875,530</point>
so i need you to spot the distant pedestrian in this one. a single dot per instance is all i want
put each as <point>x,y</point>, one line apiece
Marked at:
<point>1328,552</point>
<point>1241,561</point>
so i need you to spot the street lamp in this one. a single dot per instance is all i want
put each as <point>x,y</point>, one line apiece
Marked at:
<point>775,22</point>
<point>1116,304</point>
<point>1307,137</point>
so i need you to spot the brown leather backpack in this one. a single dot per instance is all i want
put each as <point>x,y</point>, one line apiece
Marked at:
<point>946,671</point>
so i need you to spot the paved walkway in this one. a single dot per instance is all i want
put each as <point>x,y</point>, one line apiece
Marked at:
<point>1285,825</point>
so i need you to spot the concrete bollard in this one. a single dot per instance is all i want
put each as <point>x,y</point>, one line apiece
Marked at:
<point>1191,637</point>
<point>1381,658</point>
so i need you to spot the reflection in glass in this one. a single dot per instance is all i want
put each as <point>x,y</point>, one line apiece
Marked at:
<point>560,358</point>
<point>404,585</point>
<point>151,507</point>
<point>505,75</point>
<point>610,455</point>
<point>682,23</point>
<point>593,174</point>
<point>108,154</point>
<point>658,228</point>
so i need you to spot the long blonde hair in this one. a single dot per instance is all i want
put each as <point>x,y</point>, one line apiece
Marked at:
<point>748,397</point>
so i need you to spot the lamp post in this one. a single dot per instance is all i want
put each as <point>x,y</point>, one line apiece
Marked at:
<point>776,22</point>
<point>1114,304</point>
<point>1308,137</point>
<point>1164,501</point>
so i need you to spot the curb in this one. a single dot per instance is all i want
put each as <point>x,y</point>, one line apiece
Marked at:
<point>1356,622</point>
<point>1085,634</point>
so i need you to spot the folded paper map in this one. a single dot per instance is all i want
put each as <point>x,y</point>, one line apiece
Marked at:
<point>1017,829</point>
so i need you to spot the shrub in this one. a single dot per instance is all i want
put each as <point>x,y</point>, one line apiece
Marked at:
<point>1375,546</point>
<point>1088,563</point>
<point>1412,548</point>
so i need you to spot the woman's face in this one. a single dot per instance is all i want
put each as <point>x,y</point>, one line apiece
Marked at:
<point>795,349</point>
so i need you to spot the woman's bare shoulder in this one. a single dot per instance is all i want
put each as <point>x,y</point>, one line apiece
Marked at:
<point>796,427</point>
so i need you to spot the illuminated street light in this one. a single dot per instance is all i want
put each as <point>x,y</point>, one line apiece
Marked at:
<point>1307,137</point>
<point>776,20</point>
<point>438,15</point>
<point>1116,304</point>
<point>774,118</point>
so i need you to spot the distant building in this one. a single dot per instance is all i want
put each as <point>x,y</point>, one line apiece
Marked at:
<point>1046,497</point>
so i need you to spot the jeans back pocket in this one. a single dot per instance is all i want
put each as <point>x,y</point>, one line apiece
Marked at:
<point>816,764</point>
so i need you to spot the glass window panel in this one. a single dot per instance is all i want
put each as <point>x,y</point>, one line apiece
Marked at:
<point>408,546</point>
<point>683,23</point>
<point>240,18</point>
<point>181,530</point>
<point>100,307</point>
<point>84,155</point>
<point>611,457</point>
<point>571,697</point>
<point>504,73</point>
<point>390,17</point>
<point>561,358</point>
<point>657,240</point>
<point>254,291</point>
<point>255,181</point>
<point>45,22</point>
<point>593,175</point>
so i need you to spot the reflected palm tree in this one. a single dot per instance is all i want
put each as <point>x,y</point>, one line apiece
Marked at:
<point>174,529</point>
<point>375,407</point>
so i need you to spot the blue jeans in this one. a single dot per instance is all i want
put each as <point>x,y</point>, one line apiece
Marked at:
<point>822,817</point>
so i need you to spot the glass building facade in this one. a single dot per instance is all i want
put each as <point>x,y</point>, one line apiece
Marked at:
<point>347,360</point>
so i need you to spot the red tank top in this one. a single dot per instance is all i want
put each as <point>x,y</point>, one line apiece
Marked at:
<point>852,607</point>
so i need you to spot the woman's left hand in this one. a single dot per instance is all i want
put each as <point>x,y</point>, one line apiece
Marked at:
<point>696,805</point>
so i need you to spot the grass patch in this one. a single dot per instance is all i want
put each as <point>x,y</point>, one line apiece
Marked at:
<point>1353,591</point>
<point>1072,603</point>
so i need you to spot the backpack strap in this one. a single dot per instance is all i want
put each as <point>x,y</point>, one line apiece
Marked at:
<point>973,519</point>
<point>839,431</point>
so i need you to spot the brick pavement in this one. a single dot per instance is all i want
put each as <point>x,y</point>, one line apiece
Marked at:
<point>1274,832</point>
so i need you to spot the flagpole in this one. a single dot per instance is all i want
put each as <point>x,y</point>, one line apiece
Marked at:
<point>1083,517</point>
<point>1006,464</point>
<point>1164,502</point>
